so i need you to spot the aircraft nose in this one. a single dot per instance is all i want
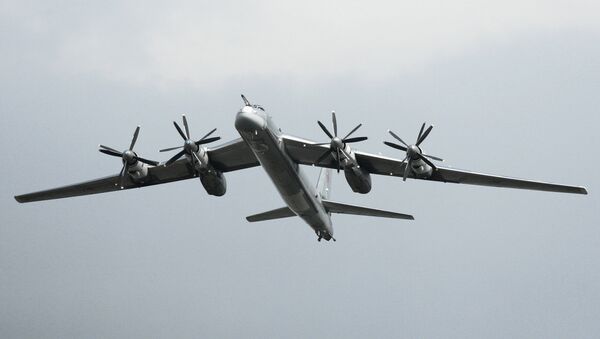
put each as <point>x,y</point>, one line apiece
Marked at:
<point>246,121</point>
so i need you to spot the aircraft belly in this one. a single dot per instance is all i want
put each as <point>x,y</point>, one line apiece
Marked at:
<point>282,171</point>
<point>297,202</point>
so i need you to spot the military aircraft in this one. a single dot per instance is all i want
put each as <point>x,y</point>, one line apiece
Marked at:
<point>262,143</point>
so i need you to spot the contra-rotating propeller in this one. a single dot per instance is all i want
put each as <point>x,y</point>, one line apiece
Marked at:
<point>129,156</point>
<point>413,152</point>
<point>190,146</point>
<point>337,145</point>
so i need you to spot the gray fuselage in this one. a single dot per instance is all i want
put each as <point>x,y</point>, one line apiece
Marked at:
<point>260,133</point>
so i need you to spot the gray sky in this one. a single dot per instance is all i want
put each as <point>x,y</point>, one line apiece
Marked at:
<point>511,86</point>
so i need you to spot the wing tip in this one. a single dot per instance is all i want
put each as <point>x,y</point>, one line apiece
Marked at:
<point>404,216</point>
<point>20,198</point>
<point>575,190</point>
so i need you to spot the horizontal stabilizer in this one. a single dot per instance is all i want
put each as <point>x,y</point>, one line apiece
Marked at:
<point>336,207</point>
<point>279,213</point>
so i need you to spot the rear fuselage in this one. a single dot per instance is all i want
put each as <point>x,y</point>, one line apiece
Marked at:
<point>260,133</point>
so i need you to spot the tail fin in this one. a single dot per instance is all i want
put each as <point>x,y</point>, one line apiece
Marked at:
<point>336,207</point>
<point>324,183</point>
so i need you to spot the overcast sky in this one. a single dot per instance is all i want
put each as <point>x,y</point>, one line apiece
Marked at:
<point>511,86</point>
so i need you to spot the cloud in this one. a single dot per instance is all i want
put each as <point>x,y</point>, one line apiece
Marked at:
<point>207,43</point>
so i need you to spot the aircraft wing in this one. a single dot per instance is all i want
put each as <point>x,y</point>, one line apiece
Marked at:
<point>228,157</point>
<point>232,156</point>
<point>307,152</point>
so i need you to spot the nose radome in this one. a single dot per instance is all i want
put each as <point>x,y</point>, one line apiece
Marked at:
<point>246,121</point>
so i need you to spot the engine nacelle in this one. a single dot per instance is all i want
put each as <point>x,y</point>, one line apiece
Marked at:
<point>420,169</point>
<point>213,181</point>
<point>138,171</point>
<point>358,179</point>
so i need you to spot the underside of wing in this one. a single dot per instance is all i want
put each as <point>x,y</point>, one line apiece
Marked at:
<point>445,174</point>
<point>232,156</point>
<point>377,164</point>
<point>308,152</point>
<point>228,157</point>
<point>107,184</point>
<point>179,170</point>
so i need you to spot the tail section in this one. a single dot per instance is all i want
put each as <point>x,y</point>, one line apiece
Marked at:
<point>278,213</point>
<point>324,183</point>
<point>324,191</point>
<point>336,207</point>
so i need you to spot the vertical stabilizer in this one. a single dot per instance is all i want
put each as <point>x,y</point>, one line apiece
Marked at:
<point>324,183</point>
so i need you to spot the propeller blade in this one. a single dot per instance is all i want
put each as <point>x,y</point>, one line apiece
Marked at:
<point>174,158</point>
<point>209,133</point>
<point>351,140</point>
<point>406,169</point>
<point>108,148</point>
<point>323,157</point>
<point>325,129</point>
<point>397,138</point>
<point>426,161</point>
<point>135,136</point>
<point>111,152</point>
<point>424,135</point>
<point>170,149</point>
<point>396,146</point>
<point>122,176</point>
<point>421,131</point>
<point>185,124</point>
<point>339,160</point>
<point>146,161</point>
<point>208,140</point>
<point>193,160</point>
<point>334,123</point>
<point>432,157</point>
<point>352,131</point>
<point>195,156</point>
<point>349,157</point>
<point>179,130</point>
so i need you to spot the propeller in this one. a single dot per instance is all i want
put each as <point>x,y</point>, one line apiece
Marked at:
<point>128,156</point>
<point>413,152</point>
<point>337,145</point>
<point>189,146</point>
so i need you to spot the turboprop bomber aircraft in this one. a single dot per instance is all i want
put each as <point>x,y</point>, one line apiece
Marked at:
<point>263,144</point>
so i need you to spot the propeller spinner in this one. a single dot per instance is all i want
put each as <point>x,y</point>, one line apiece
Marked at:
<point>128,156</point>
<point>190,146</point>
<point>413,152</point>
<point>337,145</point>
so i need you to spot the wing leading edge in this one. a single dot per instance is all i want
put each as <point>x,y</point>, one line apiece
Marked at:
<point>307,152</point>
